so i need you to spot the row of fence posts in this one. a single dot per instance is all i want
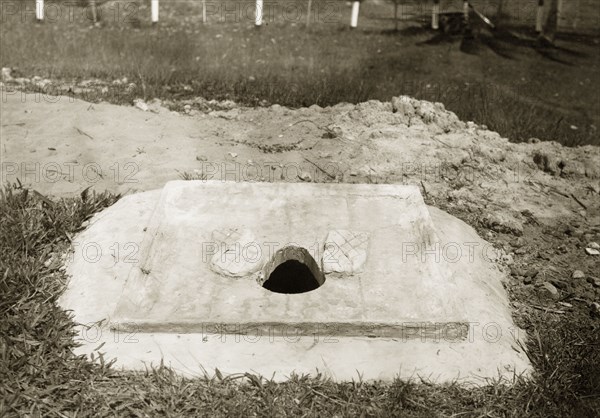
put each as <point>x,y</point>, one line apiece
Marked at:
<point>435,13</point>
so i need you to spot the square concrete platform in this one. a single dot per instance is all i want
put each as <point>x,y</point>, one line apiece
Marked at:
<point>204,275</point>
<point>211,247</point>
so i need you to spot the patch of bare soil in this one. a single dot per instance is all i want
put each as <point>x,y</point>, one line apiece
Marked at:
<point>538,202</point>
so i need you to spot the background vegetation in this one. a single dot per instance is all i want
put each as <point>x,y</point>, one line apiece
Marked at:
<point>502,79</point>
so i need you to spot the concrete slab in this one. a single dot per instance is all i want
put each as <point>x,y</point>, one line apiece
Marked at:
<point>109,250</point>
<point>178,289</point>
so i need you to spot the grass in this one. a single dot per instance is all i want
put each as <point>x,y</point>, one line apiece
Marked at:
<point>510,86</point>
<point>39,375</point>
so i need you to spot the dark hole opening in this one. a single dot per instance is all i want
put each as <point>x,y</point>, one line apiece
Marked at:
<point>291,276</point>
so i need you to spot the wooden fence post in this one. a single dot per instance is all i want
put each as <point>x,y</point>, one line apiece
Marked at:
<point>154,11</point>
<point>539,16</point>
<point>258,13</point>
<point>39,10</point>
<point>354,17</point>
<point>435,15</point>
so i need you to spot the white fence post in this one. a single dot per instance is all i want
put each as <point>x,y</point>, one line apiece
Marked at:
<point>258,14</point>
<point>154,10</point>
<point>435,15</point>
<point>539,16</point>
<point>92,4</point>
<point>354,17</point>
<point>466,10</point>
<point>39,10</point>
<point>559,14</point>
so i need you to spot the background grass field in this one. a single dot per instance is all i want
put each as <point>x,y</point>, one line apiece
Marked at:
<point>509,86</point>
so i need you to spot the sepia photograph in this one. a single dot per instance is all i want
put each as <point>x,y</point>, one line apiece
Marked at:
<point>300,208</point>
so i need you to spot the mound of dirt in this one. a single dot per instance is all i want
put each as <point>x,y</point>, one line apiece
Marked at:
<point>60,145</point>
<point>542,192</point>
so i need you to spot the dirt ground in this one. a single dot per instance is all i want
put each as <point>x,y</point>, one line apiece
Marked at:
<point>537,202</point>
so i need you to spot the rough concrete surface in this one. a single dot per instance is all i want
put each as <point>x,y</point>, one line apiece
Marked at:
<point>174,286</point>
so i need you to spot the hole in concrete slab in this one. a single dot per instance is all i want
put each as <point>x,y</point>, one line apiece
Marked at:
<point>292,270</point>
